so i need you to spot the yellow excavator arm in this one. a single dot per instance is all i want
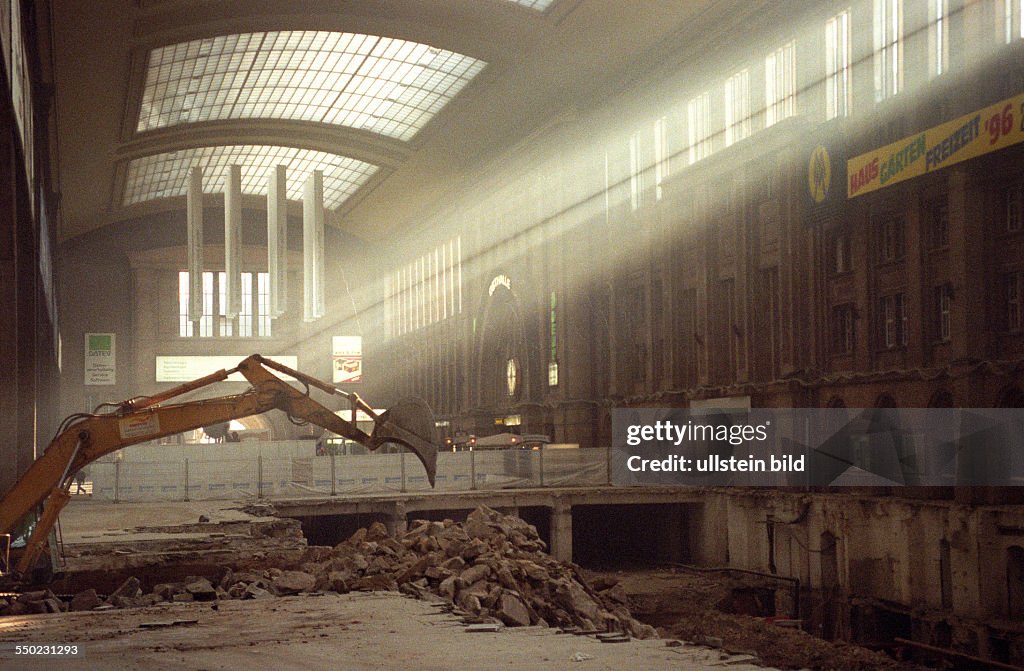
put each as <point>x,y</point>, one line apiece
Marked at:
<point>89,437</point>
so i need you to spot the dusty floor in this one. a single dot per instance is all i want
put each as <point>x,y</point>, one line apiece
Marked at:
<point>358,631</point>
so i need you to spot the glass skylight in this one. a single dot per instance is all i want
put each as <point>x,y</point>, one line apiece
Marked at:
<point>166,175</point>
<point>379,84</point>
<point>539,5</point>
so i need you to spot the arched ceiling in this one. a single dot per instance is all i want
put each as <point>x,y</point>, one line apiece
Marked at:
<point>395,100</point>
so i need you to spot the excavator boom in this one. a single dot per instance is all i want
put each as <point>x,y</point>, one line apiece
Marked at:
<point>91,437</point>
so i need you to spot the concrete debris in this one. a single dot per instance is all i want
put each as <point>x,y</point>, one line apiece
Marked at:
<point>129,589</point>
<point>580,657</point>
<point>200,589</point>
<point>493,568</point>
<point>292,582</point>
<point>32,603</point>
<point>86,600</point>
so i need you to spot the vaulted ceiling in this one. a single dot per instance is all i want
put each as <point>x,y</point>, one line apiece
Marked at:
<point>398,102</point>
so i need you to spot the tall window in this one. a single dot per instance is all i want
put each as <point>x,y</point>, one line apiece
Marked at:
<point>1012,209</point>
<point>255,308</point>
<point>842,328</point>
<point>943,301</point>
<point>262,304</point>
<point>890,239</point>
<point>634,171</point>
<point>938,223</point>
<point>428,290</point>
<point>888,33</point>
<point>661,165</point>
<point>842,261</point>
<point>780,83</point>
<point>1014,288</point>
<point>184,325</point>
<point>254,317</point>
<point>206,322</point>
<point>553,359</point>
<point>737,107</point>
<point>1013,26</point>
<point>224,324</point>
<point>698,115</point>
<point>938,37</point>
<point>892,321</point>
<point>837,65</point>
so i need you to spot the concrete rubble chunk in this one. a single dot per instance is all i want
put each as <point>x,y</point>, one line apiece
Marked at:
<point>512,611</point>
<point>37,595</point>
<point>475,573</point>
<point>54,605</point>
<point>226,580</point>
<point>255,592</point>
<point>129,589</point>
<point>292,582</point>
<point>86,600</point>
<point>377,532</point>
<point>339,581</point>
<point>201,590</point>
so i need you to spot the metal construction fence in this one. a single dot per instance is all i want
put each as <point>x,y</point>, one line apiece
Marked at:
<point>278,474</point>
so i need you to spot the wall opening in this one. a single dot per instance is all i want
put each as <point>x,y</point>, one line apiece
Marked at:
<point>1015,582</point>
<point>333,529</point>
<point>609,536</point>
<point>945,574</point>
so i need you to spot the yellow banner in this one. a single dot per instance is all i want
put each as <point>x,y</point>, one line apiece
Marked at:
<point>991,129</point>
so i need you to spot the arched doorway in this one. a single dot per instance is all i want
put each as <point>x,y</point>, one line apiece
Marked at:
<point>502,358</point>
<point>943,398</point>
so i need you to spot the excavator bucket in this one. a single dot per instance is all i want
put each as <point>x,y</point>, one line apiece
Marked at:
<point>411,423</point>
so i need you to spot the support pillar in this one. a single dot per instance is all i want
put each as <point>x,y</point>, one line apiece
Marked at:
<point>397,522</point>
<point>561,531</point>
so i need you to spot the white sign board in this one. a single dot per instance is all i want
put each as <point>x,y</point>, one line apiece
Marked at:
<point>100,360</point>
<point>188,368</point>
<point>347,355</point>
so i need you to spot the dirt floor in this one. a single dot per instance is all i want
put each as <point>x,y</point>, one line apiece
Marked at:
<point>688,605</point>
<point>355,632</point>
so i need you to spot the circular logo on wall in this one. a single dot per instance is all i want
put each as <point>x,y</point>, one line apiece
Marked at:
<point>819,174</point>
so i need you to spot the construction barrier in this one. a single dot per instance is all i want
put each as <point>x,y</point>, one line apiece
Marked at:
<point>287,470</point>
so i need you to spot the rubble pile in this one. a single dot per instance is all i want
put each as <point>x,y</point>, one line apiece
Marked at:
<point>490,568</point>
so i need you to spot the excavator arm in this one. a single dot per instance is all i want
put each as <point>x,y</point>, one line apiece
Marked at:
<point>91,437</point>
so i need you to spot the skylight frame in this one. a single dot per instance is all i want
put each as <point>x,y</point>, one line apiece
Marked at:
<point>537,5</point>
<point>165,175</point>
<point>384,85</point>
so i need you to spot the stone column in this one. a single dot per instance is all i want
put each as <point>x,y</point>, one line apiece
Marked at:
<point>397,522</point>
<point>561,531</point>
